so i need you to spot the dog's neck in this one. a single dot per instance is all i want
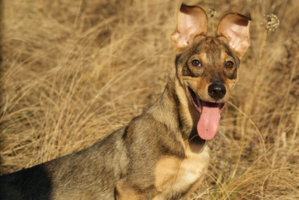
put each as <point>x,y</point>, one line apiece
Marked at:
<point>174,109</point>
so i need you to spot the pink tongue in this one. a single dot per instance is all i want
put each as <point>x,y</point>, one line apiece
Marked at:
<point>208,123</point>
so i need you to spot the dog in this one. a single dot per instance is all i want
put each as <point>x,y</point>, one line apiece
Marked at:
<point>160,154</point>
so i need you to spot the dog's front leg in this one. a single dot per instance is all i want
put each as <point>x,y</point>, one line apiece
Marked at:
<point>126,192</point>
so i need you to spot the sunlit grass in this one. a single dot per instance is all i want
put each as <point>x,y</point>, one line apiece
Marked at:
<point>74,71</point>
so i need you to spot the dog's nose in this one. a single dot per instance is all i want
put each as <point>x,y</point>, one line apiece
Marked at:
<point>217,91</point>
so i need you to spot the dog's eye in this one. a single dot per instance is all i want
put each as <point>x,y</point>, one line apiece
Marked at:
<point>229,64</point>
<point>196,63</point>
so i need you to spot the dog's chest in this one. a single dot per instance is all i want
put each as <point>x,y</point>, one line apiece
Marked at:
<point>173,175</point>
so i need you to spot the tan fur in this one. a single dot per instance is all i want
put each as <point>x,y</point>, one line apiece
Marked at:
<point>124,193</point>
<point>175,174</point>
<point>160,154</point>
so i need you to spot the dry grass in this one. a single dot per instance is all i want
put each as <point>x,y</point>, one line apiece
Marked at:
<point>74,71</point>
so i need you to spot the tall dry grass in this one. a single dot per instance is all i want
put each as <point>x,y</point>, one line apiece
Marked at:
<point>74,71</point>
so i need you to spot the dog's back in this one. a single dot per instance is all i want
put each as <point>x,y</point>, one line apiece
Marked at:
<point>88,174</point>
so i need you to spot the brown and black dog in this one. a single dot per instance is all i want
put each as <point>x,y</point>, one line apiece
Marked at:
<point>161,153</point>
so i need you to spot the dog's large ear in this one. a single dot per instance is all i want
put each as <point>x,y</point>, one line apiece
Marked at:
<point>235,28</point>
<point>192,21</point>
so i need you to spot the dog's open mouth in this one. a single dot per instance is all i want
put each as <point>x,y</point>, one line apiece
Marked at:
<point>208,123</point>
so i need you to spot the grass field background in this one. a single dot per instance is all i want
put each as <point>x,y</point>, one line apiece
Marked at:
<point>75,70</point>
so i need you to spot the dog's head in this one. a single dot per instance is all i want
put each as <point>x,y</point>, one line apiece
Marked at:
<point>207,67</point>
